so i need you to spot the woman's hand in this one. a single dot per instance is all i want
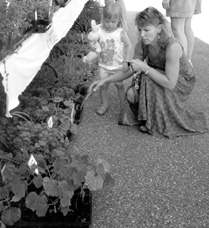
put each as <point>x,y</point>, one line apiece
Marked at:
<point>166,4</point>
<point>138,65</point>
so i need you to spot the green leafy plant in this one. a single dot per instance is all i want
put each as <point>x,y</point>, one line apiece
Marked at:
<point>92,10</point>
<point>17,18</point>
<point>38,170</point>
<point>51,187</point>
<point>43,135</point>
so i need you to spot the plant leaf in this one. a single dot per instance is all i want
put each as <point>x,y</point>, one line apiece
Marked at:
<point>4,192</point>
<point>38,181</point>
<point>105,164</point>
<point>100,170</point>
<point>74,129</point>
<point>30,201</point>
<point>57,99</point>
<point>94,182</point>
<point>45,108</point>
<point>42,143</point>
<point>78,178</point>
<point>109,181</point>
<point>65,200</point>
<point>9,171</point>
<point>37,203</point>
<point>64,210</point>
<point>58,152</point>
<point>4,155</point>
<point>42,206</point>
<point>63,186</point>
<point>18,187</point>
<point>3,225</point>
<point>50,186</point>
<point>10,216</point>
<point>23,169</point>
<point>16,198</point>
<point>65,194</point>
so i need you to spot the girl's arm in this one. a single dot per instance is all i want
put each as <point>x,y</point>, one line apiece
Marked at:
<point>169,79</point>
<point>112,78</point>
<point>118,76</point>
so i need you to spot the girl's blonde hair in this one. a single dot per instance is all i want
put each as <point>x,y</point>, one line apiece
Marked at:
<point>115,9</point>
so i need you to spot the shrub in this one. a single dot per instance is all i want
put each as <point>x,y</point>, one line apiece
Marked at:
<point>92,10</point>
<point>17,18</point>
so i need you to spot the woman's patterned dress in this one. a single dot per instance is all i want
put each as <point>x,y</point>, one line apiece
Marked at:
<point>163,111</point>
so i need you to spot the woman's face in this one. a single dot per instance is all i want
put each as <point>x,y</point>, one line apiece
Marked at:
<point>148,33</point>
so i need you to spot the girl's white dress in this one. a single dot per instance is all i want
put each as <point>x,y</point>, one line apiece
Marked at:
<point>111,56</point>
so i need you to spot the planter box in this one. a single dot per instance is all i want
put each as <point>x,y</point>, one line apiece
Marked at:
<point>78,113</point>
<point>41,25</point>
<point>80,216</point>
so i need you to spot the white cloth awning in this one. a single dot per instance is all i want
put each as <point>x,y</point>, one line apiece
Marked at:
<point>22,66</point>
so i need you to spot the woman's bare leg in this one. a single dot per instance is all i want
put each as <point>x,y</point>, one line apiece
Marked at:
<point>190,37</point>
<point>177,26</point>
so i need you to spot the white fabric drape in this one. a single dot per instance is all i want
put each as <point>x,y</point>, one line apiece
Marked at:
<point>22,66</point>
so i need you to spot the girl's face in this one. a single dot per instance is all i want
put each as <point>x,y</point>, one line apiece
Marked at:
<point>111,24</point>
<point>148,33</point>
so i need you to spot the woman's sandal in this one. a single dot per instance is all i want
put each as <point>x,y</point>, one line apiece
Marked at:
<point>102,110</point>
<point>143,129</point>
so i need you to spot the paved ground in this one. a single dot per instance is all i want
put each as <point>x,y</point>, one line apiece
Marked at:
<point>160,183</point>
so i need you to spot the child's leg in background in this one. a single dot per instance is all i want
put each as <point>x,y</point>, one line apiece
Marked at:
<point>121,94</point>
<point>120,87</point>
<point>103,93</point>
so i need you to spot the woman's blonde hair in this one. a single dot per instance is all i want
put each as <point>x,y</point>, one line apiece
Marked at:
<point>115,9</point>
<point>151,16</point>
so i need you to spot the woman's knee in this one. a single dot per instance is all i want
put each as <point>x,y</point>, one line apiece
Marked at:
<point>119,85</point>
<point>188,25</point>
<point>131,96</point>
<point>177,25</point>
<point>105,86</point>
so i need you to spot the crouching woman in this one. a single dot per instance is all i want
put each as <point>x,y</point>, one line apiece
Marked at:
<point>163,79</point>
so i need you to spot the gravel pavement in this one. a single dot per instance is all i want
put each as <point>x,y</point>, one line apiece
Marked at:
<point>160,182</point>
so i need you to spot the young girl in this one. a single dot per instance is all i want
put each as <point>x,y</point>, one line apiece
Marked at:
<point>116,49</point>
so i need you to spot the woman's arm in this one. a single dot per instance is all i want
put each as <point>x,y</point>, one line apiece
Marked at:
<point>138,51</point>
<point>169,79</point>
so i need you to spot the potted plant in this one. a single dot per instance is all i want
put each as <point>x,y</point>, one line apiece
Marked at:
<point>20,18</point>
<point>40,177</point>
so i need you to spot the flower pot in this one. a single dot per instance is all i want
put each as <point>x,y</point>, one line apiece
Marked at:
<point>78,113</point>
<point>41,25</point>
<point>60,3</point>
<point>78,216</point>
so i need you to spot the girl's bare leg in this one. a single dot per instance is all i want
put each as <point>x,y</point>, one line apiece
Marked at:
<point>104,99</point>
